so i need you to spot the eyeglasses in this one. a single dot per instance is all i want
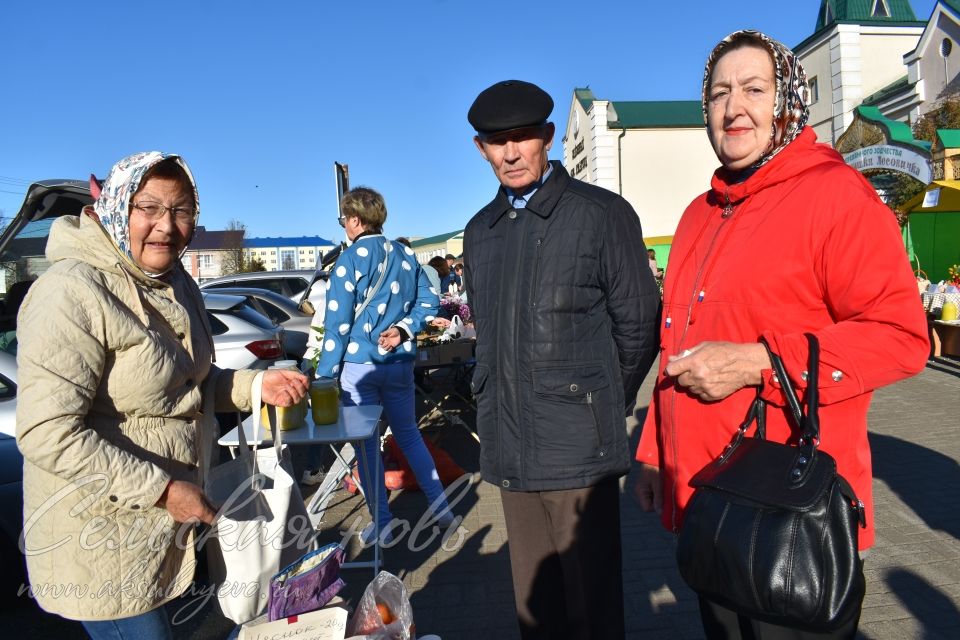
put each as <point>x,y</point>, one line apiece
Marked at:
<point>343,221</point>
<point>155,211</point>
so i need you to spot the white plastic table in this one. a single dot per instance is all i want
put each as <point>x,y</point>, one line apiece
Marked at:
<point>354,425</point>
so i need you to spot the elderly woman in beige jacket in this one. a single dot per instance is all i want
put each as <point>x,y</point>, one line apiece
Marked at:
<point>114,362</point>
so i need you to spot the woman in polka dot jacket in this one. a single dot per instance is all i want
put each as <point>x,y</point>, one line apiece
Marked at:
<point>373,352</point>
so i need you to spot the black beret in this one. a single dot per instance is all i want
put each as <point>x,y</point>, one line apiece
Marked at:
<point>510,104</point>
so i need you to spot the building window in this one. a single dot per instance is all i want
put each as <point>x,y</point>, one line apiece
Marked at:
<point>288,259</point>
<point>206,260</point>
<point>813,91</point>
<point>880,9</point>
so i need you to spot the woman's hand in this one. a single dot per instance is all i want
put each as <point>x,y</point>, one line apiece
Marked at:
<point>186,503</point>
<point>283,388</point>
<point>390,339</point>
<point>714,370</point>
<point>441,323</point>
<point>647,488</point>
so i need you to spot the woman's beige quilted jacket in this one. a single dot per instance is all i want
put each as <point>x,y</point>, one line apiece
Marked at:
<point>112,370</point>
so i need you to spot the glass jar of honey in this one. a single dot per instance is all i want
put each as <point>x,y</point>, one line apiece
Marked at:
<point>287,417</point>
<point>949,311</point>
<point>324,401</point>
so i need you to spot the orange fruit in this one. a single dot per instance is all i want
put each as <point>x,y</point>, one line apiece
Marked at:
<point>385,614</point>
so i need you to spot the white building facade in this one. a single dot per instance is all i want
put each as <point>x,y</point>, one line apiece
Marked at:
<point>655,154</point>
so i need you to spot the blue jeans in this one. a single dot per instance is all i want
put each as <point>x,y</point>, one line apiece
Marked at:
<point>391,386</point>
<point>152,625</point>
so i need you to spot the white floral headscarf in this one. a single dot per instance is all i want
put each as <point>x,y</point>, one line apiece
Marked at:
<point>113,205</point>
<point>790,111</point>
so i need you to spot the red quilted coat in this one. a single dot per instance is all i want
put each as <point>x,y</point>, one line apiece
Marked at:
<point>802,245</point>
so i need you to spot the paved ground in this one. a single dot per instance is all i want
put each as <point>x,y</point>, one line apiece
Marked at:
<point>464,591</point>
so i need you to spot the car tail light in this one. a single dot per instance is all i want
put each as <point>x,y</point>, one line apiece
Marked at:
<point>266,349</point>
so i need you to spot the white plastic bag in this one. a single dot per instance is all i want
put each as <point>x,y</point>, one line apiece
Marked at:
<point>257,530</point>
<point>367,624</point>
<point>455,330</point>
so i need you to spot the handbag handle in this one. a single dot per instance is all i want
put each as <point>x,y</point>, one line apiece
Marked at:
<point>785,383</point>
<point>276,434</point>
<point>807,420</point>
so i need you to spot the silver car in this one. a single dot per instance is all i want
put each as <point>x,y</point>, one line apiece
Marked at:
<point>282,311</point>
<point>290,284</point>
<point>243,337</point>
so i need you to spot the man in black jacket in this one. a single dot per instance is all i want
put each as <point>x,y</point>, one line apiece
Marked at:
<point>566,317</point>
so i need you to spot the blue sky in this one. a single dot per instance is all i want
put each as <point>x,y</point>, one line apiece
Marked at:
<point>262,97</point>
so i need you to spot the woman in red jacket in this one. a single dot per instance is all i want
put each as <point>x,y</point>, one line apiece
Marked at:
<point>789,239</point>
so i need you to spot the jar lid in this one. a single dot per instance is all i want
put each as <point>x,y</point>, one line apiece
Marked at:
<point>284,364</point>
<point>324,383</point>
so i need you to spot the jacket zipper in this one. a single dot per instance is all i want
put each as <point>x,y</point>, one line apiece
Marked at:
<point>505,285</point>
<point>728,210</point>
<point>596,423</point>
<point>536,273</point>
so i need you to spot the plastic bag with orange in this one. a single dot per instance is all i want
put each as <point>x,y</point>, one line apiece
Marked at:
<point>384,611</point>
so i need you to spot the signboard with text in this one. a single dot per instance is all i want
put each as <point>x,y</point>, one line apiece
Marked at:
<point>891,158</point>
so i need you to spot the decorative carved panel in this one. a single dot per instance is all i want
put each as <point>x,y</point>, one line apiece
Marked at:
<point>858,135</point>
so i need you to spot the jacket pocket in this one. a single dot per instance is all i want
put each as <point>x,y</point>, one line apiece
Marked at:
<point>568,404</point>
<point>488,425</point>
<point>479,379</point>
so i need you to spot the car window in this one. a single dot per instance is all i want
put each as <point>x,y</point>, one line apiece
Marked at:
<point>259,307</point>
<point>216,325</point>
<point>246,312</point>
<point>7,388</point>
<point>297,285</point>
<point>25,256</point>
<point>270,284</point>
<point>272,311</point>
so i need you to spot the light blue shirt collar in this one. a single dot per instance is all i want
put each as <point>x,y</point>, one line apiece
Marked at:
<point>520,201</point>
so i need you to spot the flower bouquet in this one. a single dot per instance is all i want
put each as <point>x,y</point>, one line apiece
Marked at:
<point>953,274</point>
<point>453,306</point>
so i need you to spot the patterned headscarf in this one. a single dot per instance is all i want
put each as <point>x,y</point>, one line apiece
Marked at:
<point>790,111</point>
<point>113,205</point>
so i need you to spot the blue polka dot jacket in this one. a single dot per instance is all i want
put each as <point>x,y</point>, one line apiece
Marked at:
<point>405,298</point>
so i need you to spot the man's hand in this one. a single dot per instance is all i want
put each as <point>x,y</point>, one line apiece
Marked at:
<point>714,370</point>
<point>390,339</point>
<point>186,503</point>
<point>648,489</point>
<point>283,388</point>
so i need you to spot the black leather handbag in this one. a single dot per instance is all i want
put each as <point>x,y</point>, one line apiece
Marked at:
<point>771,530</point>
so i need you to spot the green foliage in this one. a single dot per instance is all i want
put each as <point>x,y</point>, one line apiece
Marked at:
<point>946,116</point>
<point>900,190</point>
<point>253,264</point>
<point>318,338</point>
